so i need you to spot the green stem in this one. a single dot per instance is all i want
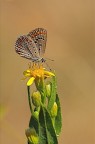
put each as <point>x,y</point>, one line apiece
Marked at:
<point>29,99</point>
<point>53,122</point>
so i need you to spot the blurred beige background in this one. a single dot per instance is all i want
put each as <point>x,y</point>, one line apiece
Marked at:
<point>71,34</point>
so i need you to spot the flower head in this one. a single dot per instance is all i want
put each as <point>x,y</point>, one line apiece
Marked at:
<point>36,72</point>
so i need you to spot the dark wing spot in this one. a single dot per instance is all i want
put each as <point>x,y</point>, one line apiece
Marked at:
<point>39,49</point>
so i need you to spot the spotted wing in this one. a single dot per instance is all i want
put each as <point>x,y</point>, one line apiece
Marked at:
<point>39,36</point>
<point>27,48</point>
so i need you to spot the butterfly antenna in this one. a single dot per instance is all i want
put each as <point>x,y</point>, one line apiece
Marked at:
<point>49,59</point>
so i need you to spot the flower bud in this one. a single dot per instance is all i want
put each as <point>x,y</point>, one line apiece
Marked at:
<point>32,136</point>
<point>48,90</point>
<point>36,114</point>
<point>54,110</point>
<point>36,98</point>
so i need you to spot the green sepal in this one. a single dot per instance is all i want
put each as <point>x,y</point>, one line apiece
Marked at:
<point>58,118</point>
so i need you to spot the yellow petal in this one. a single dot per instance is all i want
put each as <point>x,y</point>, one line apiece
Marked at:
<point>28,70</point>
<point>27,73</point>
<point>30,81</point>
<point>38,75</point>
<point>49,73</point>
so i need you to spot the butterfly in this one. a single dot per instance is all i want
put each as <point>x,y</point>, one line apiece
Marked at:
<point>32,46</point>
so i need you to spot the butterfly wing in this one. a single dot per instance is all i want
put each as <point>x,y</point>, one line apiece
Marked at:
<point>39,36</point>
<point>26,48</point>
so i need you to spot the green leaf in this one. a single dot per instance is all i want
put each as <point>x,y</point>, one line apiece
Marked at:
<point>58,118</point>
<point>51,135</point>
<point>42,128</point>
<point>34,124</point>
<point>53,94</point>
<point>46,130</point>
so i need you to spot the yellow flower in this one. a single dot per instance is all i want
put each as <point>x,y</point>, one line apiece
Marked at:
<point>37,71</point>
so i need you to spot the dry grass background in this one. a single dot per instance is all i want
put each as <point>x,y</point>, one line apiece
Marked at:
<point>71,36</point>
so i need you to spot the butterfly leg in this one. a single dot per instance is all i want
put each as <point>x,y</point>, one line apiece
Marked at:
<point>29,64</point>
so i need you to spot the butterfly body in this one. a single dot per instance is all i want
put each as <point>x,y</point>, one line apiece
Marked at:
<point>33,45</point>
